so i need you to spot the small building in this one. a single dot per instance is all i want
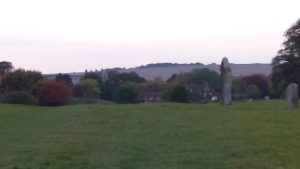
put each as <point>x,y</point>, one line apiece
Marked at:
<point>201,93</point>
<point>150,96</point>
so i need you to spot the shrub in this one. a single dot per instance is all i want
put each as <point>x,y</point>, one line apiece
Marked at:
<point>126,94</point>
<point>53,93</point>
<point>179,94</point>
<point>253,91</point>
<point>20,97</point>
<point>78,91</point>
<point>90,87</point>
<point>20,80</point>
<point>175,93</point>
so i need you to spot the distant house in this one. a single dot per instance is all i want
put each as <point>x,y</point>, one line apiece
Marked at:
<point>150,96</point>
<point>201,93</point>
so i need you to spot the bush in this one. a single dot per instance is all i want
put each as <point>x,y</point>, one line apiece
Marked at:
<point>53,93</point>
<point>253,91</point>
<point>126,94</point>
<point>175,93</point>
<point>78,91</point>
<point>20,80</point>
<point>179,94</point>
<point>20,97</point>
<point>90,87</point>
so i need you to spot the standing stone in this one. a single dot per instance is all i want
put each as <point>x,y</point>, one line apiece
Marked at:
<point>226,79</point>
<point>291,97</point>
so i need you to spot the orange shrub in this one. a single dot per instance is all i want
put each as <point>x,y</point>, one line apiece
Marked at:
<point>53,93</point>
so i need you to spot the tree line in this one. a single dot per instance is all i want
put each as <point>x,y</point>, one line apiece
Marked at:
<point>31,87</point>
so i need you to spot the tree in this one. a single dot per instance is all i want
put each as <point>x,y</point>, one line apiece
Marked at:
<point>5,67</point>
<point>127,94</point>
<point>202,76</point>
<point>93,75</point>
<point>260,81</point>
<point>175,93</point>
<point>64,78</point>
<point>91,89</point>
<point>53,93</point>
<point>20,80</point>
<point>286,64</point>
<point>179,94</point>
<point>253,91</point>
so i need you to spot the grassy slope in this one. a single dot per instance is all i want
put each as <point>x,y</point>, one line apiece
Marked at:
<point>159,136</point>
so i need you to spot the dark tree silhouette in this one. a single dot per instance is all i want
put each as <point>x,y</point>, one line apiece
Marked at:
<point>5,67</point>
<point>286,65</point>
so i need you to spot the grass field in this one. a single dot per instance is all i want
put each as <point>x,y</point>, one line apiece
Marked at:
<point>257,135</point>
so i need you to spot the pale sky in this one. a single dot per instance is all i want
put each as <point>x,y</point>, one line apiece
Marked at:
<point>74,35</point>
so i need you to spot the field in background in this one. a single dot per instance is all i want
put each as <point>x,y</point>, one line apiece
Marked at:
<point>260,135</point>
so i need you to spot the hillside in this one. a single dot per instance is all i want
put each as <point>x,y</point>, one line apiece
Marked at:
<point>165,70</point>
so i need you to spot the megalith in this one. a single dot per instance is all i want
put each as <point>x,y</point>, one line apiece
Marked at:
<point>291,96</point>
<point>226,82</point>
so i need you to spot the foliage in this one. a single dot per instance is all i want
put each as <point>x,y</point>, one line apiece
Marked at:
<point>172,78</point>
<point>91,89</point>
<point>175,93</point>
<point>116,80</point>
<point>78,91</point>
<point>127,94</point>
<point>20,97</point>
<point>93,75</point>
<point>286,64</point>
<point>107,91</point>
<point>201,76</point>
<point>260,81</point>
<point>20,80</point>
<point>53,93</point>
<point>5,67</point>
<point>179,94</point>
<point>121,78</point>
<point>253,91</point>
<point>65,78</point>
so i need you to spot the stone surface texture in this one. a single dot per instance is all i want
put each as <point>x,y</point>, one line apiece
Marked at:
<point>226,77</point>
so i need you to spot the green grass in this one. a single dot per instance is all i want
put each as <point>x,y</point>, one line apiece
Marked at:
<point>258,135</point>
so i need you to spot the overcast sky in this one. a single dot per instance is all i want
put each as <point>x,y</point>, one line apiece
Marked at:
<point>74,35</point>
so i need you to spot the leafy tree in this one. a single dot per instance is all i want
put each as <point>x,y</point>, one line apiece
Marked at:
<point>202,76</point>
<point>91,89</point>
<point>286,65</point>
<point>253,91</point>
<point>5,67</point>
<point>260,81</point>
<point>107,91</point>
<point>78,91</point>
<point>20,80</point>
<point>93,75</point>
<point>53,93</point>
<point>173,77</point>
<point>115,81</point>
<point>176,93</point>
<point>65,78</point>
<point>127,94</point>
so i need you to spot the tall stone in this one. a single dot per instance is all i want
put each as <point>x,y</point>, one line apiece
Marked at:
<point>226,81</point>
<point>291,96</point>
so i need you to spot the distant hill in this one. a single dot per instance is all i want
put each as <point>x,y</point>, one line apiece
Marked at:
<point>165,70</point>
